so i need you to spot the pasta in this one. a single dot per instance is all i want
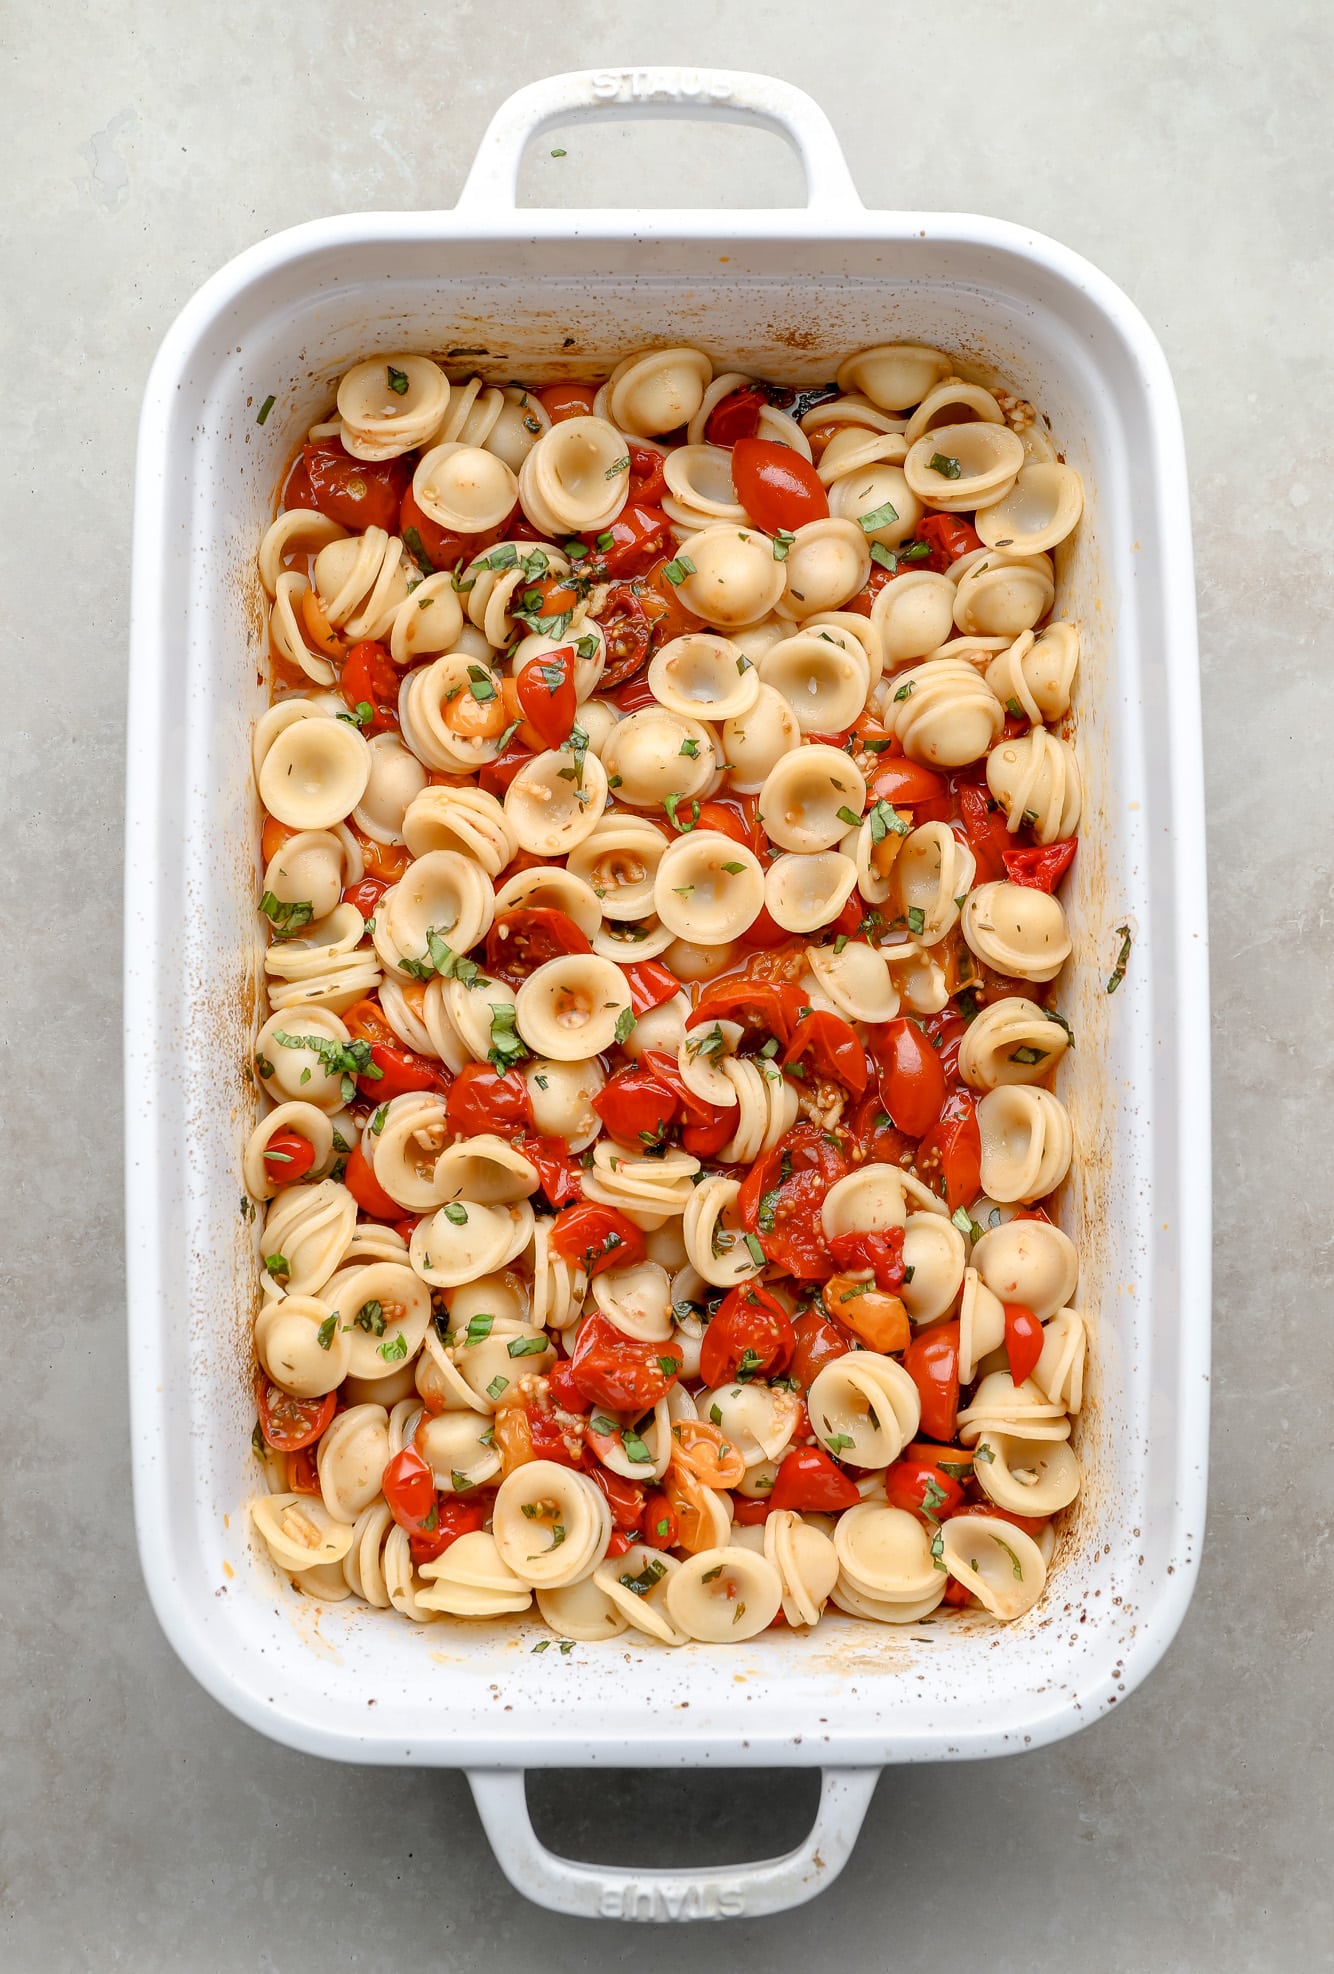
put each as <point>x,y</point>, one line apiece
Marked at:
<point>666,789</point>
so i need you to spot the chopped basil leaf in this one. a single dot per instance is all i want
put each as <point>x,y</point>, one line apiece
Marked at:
<point>1028,1056</point>
<point>324,1336</point>
<point>652,1573</point>
<point>690,746</point>
<point>838,1442</point>
<point>416,548</point>
<point>266,408</point>
<point>625,1022</point>
<point>879,517</point>
<point>395,1351</point>
<point>850,817</point>
<point>526,1346</point>
<point>1118,973</point>
<point>757,1254</point>
<point>677,571</point>
<point>670,805</point>
<point>985,1454</point>
<point>1015,1563</point>
<point>278,1265</point>
<point>783,541</point>
<point>398,381</point>
<point>621,465</point>
<point>916,919</point>
<point>377,1122</point>
<point>839,943</point>
<point>733,870</point>
<point>286,918</point>
<point>494,1389</point>
<point>885,820</point>
<point>710,1576</point>
<point>635,1449</point>
<point>370,1317</point>
<point>715,1415</point>
<point>904,691</point>
<point>457,1215</point>
<point>947,467</point>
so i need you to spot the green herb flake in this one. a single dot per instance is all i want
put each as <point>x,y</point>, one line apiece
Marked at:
<point>885,820</point>
<point>839,1442</point>
<point>1118,972</point>
<point>543,1643</point>
<point>266,408</point>
<point>782,542</point>
<point>278,1265</point>
<point>850,817</point>
<point>757,1254</point>
<point>733,870</point>
<point>635,1449</point>
<point>324,1336</point>
<point>496,1386</point>
<point>671,805</point>
<point>526,1346</point>
<point>879,517</point>
<point>942,463</point>
<point>711,1576</point>
<point>398,381</point>
<point>984,1453</point>
<point>916,920</point>
<point>457,1215</point>
<point>678,570</point>
<point>286,918</point>
<point>395,1350</point>
<point>625,1023</point>
<point>370,1317</point>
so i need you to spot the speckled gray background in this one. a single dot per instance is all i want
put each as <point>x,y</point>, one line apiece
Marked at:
<point>1187,150</point>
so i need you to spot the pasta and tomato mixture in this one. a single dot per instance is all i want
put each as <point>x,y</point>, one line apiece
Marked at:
<point>665,812</point>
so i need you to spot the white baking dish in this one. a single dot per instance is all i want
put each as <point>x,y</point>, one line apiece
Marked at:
<point>780,293</point>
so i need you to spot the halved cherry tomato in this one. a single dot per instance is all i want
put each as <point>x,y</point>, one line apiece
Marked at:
<point>949,1157</point>
<point>288,1157</point>
<point>483,1099</point>
<point>763,931</point>
<point>366,1189</point>
<point>544,688</point>
<point>984,825</point>
<point>912,1082</point>
<point>618,1371</point>
<point>949,536</point>
<point>776,486</point>
<point>564,1391</point>
<point>833,1048</point>
<point>527,937</point>
<point>750,1336</point>
<point>454,1517</point>
<point>365,894</point>
<point>874,1133</point>
<point>650,984</point>
<point>627,545</point>
<point>296,487</point>
<point>904,784</point>
<point>567,400</point>
<point>274,836</point>
<point>705,1127</point>
<point>409,1487</point>
<point>546,1437</point>
<point>597,1237</point>
<point>289,1423</point>
<point>658,1528</point>
<point>916,1482</point>
<point>303,1474</point>
<point>817,1343</point>
<point>635,1107</point>
<point>624,1497</point>
<point>648,483</point>
<point>667,615</point>
<point>880,1320</point>
<point>1043,866</point>
<point>550,1158</point>
<point>627,629</point>
<point>944,1031</point>
<point>772,1007</point>
<point>881,1253</point>
<point>401,1070</point>
<point>932,1362</point>
<point>1023,1340</point>
<point>808,1482</point>
<point>737,416</point>
<point>388,861</point>
<point>359,493</point>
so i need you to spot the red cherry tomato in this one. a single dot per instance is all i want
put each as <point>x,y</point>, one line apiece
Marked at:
<point>772,1007</point>
<point>776,486</point>
<point>546,1438</point>
<point>874,1133</point>
<point>763,931</point>
<point>598,1238</point>
<point>833,1050</point>
<point>949,537</point>
<point>1023,1340</point>
<point>483,1099</point>
<point>303,1473</point>
<point>737,416</point>
<point>635,1107</point>
<point>750,1513</point>
<point>627,628</point>
<point>949,1157</point>
<point>667,615</point>
<point>288,1157</point>
<point>567,400</point>
<point>454,1517</point>
<point>408,1487</point>
<point>624,1497</point>
<point>751,1335</point>
<point>1043,866</point>
<point>650,984</point>
<point>365,894</point>
<point>545,690</point>
<point>881,1253</point>
<point>808,1482</point>
<point>912,1082</point>
<point>359,493</point>
<point>918,1484</point>
<point>984,825</point>
<point>524,939</point>
<point>497,775</point>
<point>557,1171</point>
<point>817,1342</point>
<point>627,545</point>
<point>903,784</point>
<point>289,1423</point>
<point>932,1362</point>
<point>659,1529</point>
<point>434,548</point>
<point>618,1371</point>
<point>369,678</point>
<point>366,1189</point>
<point>945,1031</point>
<point>401,1070</point>
<point>648,483</point>
<point>564,1391</point>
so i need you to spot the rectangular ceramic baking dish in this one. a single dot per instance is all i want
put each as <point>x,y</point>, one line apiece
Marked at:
<point>535,294</point>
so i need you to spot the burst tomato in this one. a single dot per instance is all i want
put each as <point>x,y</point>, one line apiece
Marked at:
<point>650,984</point>
<point>366,1189</point>
<point>630,543</point>
<point>408,1487</point>
<point>627,628</point>
<point>776,486</point>
<point>984,825</point>
<point>483,1099</point>
<point>624,1497</point>
<point>912,1082</point>
<point>370,679</point>
<point>527,937</point>
<point>288,1157</point>
<point>453,1517</point>
<point>771,1007</point>
<point>875,1134</point>
<point>647,481</point>
<point>435,548</point>
<point>303,1472</point>
<point>358,493</point>
<point>932,1362</point>
<point>736,416</point>
<point>1023,1340</point>
<point>635,1107</point>
<point>808,1482</point>
<point>365,894</point>
<point>833,1050</point>
<point>949,1157</point>
<point>618,1371</point>
<point>905,784</point>
<point>917,1482</point>
<point>817,1342</point>
<point>880,1320</point>
<point>567,400</point>
<point>658,1529</point>
<point>544,688</point>
<point>289,1423</point>
<point>550,1159</point>
<point>750,1335</point>
<point>882,1253</point>
<point>597,1237</point>
<point>1042,866</point>
<point>949,537</point>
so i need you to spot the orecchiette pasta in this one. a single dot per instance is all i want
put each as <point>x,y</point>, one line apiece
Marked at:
<point>615,1186</point>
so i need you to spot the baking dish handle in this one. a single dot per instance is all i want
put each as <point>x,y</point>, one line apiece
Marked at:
<point>733,95</point>
<point>600,1891</point>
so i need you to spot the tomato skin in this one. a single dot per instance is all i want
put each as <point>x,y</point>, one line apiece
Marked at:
<point>523,939</point>
<point>912,1082</point>
<point>597,1237</point>
<point>401,1070</point>
<point>288,1157</point>
<point>882,1253</point>
<point>952,1149</point>
<point>567,400</point>
<point>387,861</point>
<point>482,1099</point>
<point>366,1189</point>
<point>434,548</point>
<point>984,825</point>
<point>1030,1524</point>
<point>1023,1340</point>
<point>359,493</point>
<point>772,1007</point>
<point>365,894</point>
<point>650,984</point>
<point>564,1391</point>
<point>905,784</point>
<point>544,688</point>
<point>817,1342</point>
<point>624,1497</point>
<point>289,1423</point>
<point>776,486</point>
<point>408,1487</point>
<point>736,416</point>
<point>657,1510</point>
<point>750,1512</point>
<point>834,1048</point>
<point>808,1481</point>
<point>907,1481</point>
<point>617,1371</point>
<point>751,1326</point>
<point>648,482</point>
<point>949,536</point>
<point>555,1168</point>
<point>454,1517</point>
<point>1042,866</point>
<point>369,678</point>
<point>639,534</point>
<point>635,1107</point>
<point>932,1362</point>
<point>705,1127</point>
<point>303,1474</point>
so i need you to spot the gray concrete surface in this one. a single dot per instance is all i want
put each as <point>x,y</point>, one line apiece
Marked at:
<point>1186,150</point>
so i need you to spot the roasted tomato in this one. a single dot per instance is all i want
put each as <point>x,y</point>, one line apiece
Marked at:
<point>358,493</point>
<point>597,1237</point>
<point>912,1082</point>
<point>751,1336</point>
<point>932,1362</point>
<point>483,1099</point>
<point>809,1482</point>
<point>776,486</point>
<point>289,1423</point>
<point>524,939</point>
<point>618,1371</point>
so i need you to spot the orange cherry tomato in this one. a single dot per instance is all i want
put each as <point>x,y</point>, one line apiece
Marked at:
<point>320,634</point>
<point>275,835</point>
<point>567,400</point>
<point>881,1321</point>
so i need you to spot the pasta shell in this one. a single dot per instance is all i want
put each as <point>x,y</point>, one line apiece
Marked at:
<point>1017,930</point>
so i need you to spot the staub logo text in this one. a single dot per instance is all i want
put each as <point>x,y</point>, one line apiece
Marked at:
<point>659,85</point>
<point>659,1902</point>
